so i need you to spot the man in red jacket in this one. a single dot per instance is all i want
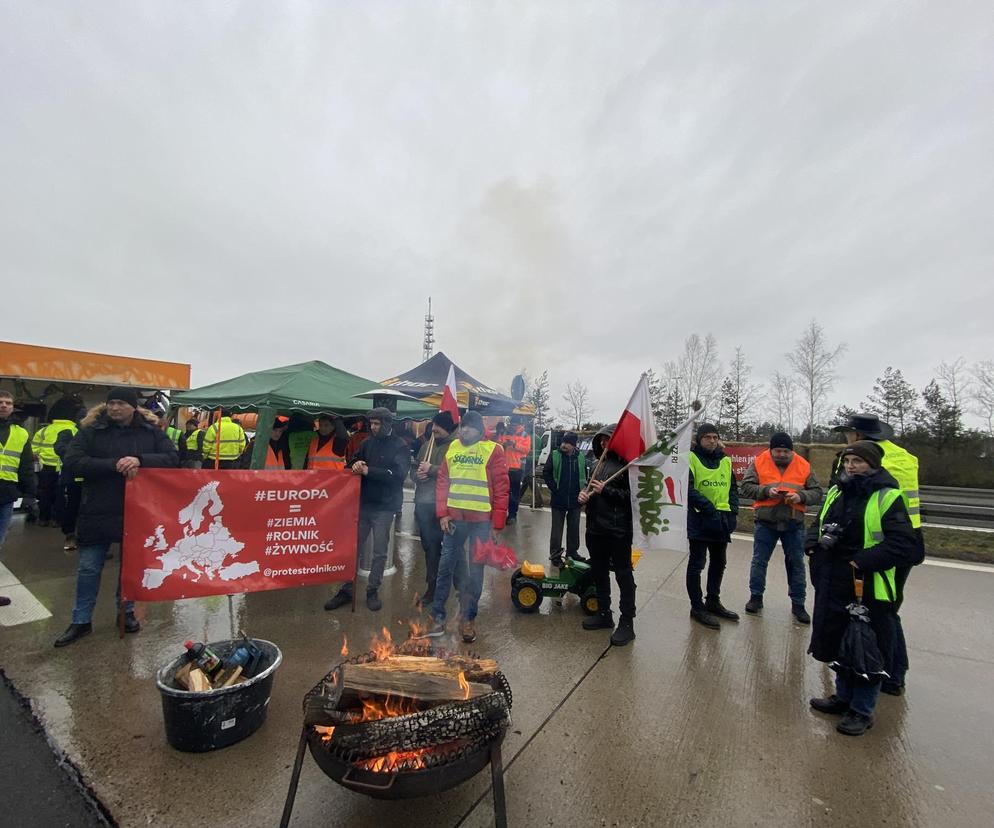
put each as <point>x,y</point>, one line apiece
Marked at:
<point>471,498</point>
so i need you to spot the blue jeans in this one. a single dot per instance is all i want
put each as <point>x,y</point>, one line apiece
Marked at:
<point>6,513</point>
<point>456,563</point>
<point>764,541</point>
<point>91,565</point>
<point>861,697</point>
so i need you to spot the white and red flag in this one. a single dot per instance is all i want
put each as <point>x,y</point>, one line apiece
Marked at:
<point>449,398</point>
<point>636,430</point>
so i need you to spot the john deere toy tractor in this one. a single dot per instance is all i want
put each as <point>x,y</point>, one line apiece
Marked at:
<point>530,584</point>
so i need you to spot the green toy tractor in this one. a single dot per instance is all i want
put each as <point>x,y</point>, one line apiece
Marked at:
<point>530,584</point>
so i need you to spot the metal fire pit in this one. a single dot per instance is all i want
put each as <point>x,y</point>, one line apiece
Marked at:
<point>445,766</point>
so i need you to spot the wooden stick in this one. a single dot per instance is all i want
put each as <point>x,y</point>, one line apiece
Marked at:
<point>363,680</point>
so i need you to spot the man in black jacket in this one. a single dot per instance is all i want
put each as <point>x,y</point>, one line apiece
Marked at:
<point>17,469</point>
<point>609,540</point>
<point>383,461</point>
<point>116,441</point>
<point>565,474</point>
<point>713,508</point>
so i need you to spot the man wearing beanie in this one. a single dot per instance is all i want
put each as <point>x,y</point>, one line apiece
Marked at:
<point>424,473</point>
<point>383,462</point>
<point>713,501</point>
<point>862,535</point>
<point>565,474</point>
<point>115,441</point>
<point>782,486</point>
<point>471,498</point>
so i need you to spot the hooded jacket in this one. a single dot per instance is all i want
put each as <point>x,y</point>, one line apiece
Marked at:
<point>832,573</point>
<point>704,522</point>
<point>93,455</point>
<point>564,495</point>
<point>609,513</point>
<point>389,460</point>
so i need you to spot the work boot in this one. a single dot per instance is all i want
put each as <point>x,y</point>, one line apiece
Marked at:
<point>70,544</point>
<point>832,705</point>
<point>467,630</point>
<point>373,602</point>
<point>557,559</point>
<point>715,608</point>
<point>854,724</point>
<point>73,633</point>
<point>625,634</point>
<point>891,688</point>
<point>755,605</point>
<point>702,616</point>
<point>4,601</point>
<point>339,599</point>
<point>131,624</point>
<point>437,629</point>
<point>600,621</point>
<point>801,614</point>
<point>576,556</point>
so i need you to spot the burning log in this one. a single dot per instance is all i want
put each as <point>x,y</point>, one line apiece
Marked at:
<point>473,669</point>
<point>442,725</point>
<point>363,680</point>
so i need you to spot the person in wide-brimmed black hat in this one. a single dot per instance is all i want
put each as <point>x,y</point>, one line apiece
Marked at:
<point>903,465</point>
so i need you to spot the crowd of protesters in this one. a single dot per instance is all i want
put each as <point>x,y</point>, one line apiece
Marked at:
<point>467,485</point>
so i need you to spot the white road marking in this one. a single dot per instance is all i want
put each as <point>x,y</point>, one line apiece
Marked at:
<point>24,607</point>
<point>969,567</point>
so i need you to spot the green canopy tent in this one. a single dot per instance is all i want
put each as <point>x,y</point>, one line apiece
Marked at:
<point>310,388</point>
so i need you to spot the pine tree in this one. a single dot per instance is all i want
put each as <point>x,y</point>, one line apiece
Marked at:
<point>938,419</point>
<point>893,399</point>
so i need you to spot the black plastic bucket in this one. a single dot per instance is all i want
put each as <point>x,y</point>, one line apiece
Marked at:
<point>197,722</point>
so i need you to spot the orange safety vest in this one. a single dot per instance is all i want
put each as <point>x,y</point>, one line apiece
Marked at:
<point>516,447</point>
<point>325,457</point>
<point>793,477</point>
<point>273,461</point>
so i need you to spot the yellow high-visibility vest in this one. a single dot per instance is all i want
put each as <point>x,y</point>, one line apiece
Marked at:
<point>43,442</point>
<point>714,484</point>
<point>884,583</point>
<point>468,487</point>
<point>232,440</point>
<point>903,465</point>
<point>11,451</point>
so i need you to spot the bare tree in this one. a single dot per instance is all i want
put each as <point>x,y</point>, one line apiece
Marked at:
<point>954,382</point>
<point>699,371</point>
<point>538,395</point>
<point>982,392</point>
<point>738,394</point>
<point>577,408</point>
<point>813,362</point>
<point>783,401</point>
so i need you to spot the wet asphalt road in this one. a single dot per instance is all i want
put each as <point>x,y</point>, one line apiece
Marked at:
<point>685,727</point>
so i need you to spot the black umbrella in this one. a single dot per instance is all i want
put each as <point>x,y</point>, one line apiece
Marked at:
<point>859,658</point>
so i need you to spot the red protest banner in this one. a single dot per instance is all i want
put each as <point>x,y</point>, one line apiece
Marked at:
<point>191,533</point>
<point>742,457</point>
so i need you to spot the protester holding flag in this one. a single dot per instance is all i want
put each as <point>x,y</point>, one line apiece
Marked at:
<point>424,473</point>
<point>608,501</point>
<point>713,499</point>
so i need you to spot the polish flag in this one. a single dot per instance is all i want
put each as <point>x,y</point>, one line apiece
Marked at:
<point>636,430</point>
<point>449,396</point>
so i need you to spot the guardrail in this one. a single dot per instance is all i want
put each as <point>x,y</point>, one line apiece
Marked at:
<point>948,506</point>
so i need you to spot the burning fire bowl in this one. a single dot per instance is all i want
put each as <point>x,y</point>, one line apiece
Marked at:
<point>408,752</point>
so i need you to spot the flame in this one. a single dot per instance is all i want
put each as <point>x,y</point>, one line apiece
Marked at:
<point>464,685</point>
<point>417,629</point>
<point>325,732</point>
<point>345,644</point>
<point>374,709</point>
<point>394,761</point>
<point>383,648</point>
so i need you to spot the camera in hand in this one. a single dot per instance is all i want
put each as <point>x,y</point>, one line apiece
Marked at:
<point>830,534</point>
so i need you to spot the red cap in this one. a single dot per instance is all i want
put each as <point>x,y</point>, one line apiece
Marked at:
<point>188,644</point>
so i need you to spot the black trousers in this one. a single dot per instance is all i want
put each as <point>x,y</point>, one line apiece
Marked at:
<point>72,493</point>
<point>716,569</point>
<point>571,519</point>
<point>431,542</point>
<point>514,479</point>
<point>49,495</point>
<point>606,552</point>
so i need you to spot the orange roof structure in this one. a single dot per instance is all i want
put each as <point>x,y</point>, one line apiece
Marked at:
<point>37,362</point>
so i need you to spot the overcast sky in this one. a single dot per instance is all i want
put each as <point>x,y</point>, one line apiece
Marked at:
<point>578,186</point>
